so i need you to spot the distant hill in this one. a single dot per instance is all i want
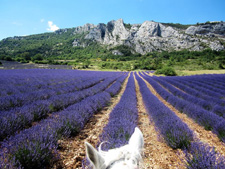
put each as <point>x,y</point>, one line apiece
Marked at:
<point>115,38</point>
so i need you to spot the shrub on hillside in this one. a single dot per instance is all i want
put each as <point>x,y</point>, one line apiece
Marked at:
<point>168,71</point>
<point>8,58</point>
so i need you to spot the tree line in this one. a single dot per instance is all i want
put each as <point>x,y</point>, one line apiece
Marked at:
<point>56,48</point>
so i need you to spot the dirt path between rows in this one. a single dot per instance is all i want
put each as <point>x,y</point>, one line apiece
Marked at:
<point>72,150</point>
<point>199,131</point>
<point>157,155</point>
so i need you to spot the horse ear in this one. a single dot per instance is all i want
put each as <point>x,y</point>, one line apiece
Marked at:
<point>136,140</point>
<point>93,155</point>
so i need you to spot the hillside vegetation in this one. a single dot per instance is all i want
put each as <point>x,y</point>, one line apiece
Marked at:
<point>75,47</point>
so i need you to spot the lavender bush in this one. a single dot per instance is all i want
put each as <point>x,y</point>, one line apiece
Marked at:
<point>122,119</point>
<point>202,87</point>
<point>174,131</point>
<point>206,104</point>
<point>194,92</point>
<point>208,82</point>
<point>20,99</point>
<point>203,117</point>
<point>198,155</point>
<point>201,155</point>
<point>19,118</point>
<point>36,147</point>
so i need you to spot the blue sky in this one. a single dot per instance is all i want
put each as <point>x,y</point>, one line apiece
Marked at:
<point>26,17</point>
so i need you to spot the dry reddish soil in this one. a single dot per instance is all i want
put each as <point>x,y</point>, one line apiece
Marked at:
<point>73,150</point>
<point>156,153</point>
<point>199,131</point>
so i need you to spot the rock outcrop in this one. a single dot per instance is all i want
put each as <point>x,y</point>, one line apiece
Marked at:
<point>209,29</point>
<point>153,36</point>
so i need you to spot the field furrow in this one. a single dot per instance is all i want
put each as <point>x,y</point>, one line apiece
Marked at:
<point>208,104</point>
<point>46,116</point>
<point>200,133</point>
<point>72,149</point>
<point>18,119</point>
<point>205,118</point>
<point>156,153</point>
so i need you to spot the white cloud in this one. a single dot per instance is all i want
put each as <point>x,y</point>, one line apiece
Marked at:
<point>42,20</point>
<point>17,23</point>
<point>52,27</point>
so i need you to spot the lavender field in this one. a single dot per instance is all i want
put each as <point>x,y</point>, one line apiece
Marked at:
<point>41,107</point>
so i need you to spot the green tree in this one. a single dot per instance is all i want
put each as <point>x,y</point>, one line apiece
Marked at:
<point>37,57</point>
<point>86,64</point>
<point>25,56</point>
<point>8,58</point>
<point>168,71</point>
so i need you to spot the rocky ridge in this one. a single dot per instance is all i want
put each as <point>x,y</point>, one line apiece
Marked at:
<point>153,36</point>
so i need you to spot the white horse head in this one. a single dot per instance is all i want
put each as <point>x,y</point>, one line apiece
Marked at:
<point>125,157</point>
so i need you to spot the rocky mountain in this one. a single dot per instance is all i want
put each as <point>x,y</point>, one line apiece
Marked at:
<point>91,39</point>
<point>153,36</point>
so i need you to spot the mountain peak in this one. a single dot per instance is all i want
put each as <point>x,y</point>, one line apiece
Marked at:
<point>154,36</point>
<point>141,38</point>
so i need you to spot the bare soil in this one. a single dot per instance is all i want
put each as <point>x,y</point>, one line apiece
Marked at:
<point>200,133</point>
<point>156,152</point>
<point>72,149</point>
<point>156,155</point>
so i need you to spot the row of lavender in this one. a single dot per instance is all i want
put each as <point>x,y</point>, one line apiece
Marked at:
<point>177,134</point>
<point>214,82</point>
<point>36,147</point>
<point>204,100</point>
<point>35,90</point>
<point>194,107</point>
<point>174,131</point>
<point>23,81</point>
<point>19,118</point>
<point>211,85</point>
<point>20,99</point>
<point>122,119</point>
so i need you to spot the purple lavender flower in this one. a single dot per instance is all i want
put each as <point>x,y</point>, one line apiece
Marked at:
<point>122,120</point>
<point>174,131</point>
<point>201,155</point>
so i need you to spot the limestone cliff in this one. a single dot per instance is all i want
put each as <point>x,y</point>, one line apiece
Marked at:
<point>153,36</point>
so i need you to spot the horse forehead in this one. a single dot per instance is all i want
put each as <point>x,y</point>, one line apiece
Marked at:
<point>125,163</point>
<point>122,165</point>
<point>121,158</point>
